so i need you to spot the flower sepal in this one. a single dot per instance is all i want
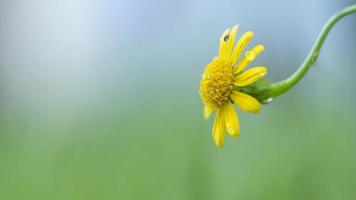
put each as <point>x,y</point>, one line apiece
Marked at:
<point>260,90</point>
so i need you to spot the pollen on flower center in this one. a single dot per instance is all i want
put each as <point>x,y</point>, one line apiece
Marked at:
<point>217,83</point>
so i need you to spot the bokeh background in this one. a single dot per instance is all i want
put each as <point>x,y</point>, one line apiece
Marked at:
<point>99,100</point>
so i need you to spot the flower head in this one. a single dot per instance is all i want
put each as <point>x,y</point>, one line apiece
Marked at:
<point>222,81</point>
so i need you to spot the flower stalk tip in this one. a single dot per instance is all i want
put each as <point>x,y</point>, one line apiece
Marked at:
<point>285,85</point>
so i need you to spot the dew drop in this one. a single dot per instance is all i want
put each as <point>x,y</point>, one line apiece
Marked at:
<point>250,56</point>
<point>226,38</point>
<point>266,101</point>
<point>229,129</point>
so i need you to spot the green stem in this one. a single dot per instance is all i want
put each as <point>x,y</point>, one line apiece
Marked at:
<point>285,85</point>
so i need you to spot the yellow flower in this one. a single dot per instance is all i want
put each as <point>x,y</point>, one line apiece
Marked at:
<point>222,80</point>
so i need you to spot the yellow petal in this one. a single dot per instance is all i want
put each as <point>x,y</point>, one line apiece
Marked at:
<point>207,111</point>
<point>223,43</point>
<point>219,129</point>
<point>231,120</point>
<point>240,46</point>
<point>249,57</point>
<point>231,41</point>
<point>246,102</point>
<point>250,76</point>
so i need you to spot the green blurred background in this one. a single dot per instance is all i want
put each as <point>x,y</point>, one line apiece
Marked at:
<point>99,100</point>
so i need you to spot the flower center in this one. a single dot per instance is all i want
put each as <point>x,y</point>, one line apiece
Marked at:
<point>217,83</point>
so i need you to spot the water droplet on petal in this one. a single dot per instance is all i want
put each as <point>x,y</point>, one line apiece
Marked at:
<point>226,38</point>
<point>250,56</point>
<point>230,129</point>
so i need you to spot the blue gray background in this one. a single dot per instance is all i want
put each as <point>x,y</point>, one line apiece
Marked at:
<point>99,100</point>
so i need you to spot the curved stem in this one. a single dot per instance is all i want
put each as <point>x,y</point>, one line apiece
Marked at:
<point>284,85</point>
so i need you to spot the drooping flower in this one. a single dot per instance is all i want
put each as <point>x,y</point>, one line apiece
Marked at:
<point>222,81</point>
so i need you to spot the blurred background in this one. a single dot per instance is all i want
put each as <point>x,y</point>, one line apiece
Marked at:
<point>99,100</point>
